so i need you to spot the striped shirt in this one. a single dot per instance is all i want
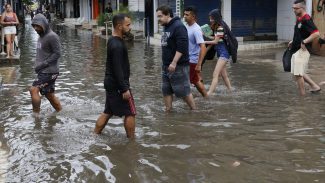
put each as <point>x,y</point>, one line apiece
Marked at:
<point>219,33</point>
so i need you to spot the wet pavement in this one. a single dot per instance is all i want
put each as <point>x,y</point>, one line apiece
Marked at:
<point>262,132</point>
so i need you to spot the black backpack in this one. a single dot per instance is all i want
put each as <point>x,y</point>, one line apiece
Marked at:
<point>231,42</point>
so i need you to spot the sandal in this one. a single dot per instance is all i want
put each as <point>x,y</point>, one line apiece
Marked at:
<point>315,91</point>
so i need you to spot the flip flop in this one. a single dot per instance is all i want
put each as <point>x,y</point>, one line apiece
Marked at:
<point>315,91</point>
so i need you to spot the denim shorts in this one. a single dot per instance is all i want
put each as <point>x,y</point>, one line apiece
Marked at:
<point>222,51</point>
<point>45,82</point>
<point>177,82</point>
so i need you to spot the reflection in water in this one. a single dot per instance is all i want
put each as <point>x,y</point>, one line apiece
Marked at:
<point>262,131</point>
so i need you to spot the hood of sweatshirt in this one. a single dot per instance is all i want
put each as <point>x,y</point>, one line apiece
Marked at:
<point>41,20</point>
<point>172,21</point>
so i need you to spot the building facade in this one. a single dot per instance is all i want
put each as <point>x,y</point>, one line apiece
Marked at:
<point>249,19</point>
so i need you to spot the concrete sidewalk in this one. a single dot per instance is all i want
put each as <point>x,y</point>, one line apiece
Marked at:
<point>155,40</point>
<point>242,46</point>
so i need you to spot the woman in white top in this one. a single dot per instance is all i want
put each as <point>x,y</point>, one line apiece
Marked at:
<point>9,21</point>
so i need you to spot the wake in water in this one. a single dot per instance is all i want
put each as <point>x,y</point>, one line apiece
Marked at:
<point>3,163</point>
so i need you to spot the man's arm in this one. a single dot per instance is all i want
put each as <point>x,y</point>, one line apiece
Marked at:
<point>309,40</point>
<point>311,37</point>
<point>181,46</point>
<point>314,33</point>
<point>203,51</point>
<point>55,47</point>
<point>172,66</point>
<point>117,55</point>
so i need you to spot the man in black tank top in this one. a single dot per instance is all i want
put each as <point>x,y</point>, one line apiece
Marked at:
<point>119,100</point>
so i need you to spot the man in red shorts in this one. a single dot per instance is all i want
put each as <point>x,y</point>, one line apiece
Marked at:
<point>196,50</point>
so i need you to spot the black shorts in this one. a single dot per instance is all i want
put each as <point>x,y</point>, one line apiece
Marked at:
<point>115,105</point>
<point>45,82</point>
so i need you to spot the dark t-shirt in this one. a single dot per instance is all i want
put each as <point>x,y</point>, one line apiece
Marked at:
<point>117,66</point>
<point>303,29</point>
<point>108,10</point>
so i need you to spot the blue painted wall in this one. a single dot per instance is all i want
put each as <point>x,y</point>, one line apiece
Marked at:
<point>203,7</point>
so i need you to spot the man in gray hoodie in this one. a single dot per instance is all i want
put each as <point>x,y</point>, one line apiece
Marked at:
<point>46,64</point>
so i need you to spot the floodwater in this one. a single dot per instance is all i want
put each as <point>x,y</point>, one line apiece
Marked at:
<point>262,132</point>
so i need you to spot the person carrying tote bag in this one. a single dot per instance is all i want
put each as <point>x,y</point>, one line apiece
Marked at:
<point>305,32</point>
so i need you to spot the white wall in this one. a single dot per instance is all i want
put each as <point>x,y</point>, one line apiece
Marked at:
<point>69,8</point>
<point>226,11</point>
<point>136,5</point>
<point>155,20</point>
<point>285,20</point>
<point>309,6</point>
<point>85,9</point>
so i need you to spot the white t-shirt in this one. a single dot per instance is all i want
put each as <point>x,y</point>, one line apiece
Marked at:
<point>195,38</point>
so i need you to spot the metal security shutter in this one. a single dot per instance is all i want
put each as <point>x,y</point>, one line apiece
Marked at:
<point>242,17</point>
<point>251,17</point>
<point>170,3</point>
<point>266,15</point>
<point>203,8</point>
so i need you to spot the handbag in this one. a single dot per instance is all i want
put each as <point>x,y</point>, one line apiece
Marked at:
<point>286,60</point>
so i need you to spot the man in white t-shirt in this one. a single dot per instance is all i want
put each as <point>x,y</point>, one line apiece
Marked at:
<point>197,49</point>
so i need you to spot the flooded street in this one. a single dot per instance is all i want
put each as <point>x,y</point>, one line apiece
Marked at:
<point>262,132</point>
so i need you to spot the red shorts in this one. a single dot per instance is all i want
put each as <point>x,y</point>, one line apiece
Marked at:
<point>194,75</point>
<point>117,106</point>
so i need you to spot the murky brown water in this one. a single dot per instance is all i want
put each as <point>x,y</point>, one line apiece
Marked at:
<point>263,132</point>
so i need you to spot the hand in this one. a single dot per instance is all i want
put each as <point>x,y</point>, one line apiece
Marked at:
<point>41,67</point>
<point>38,69</point>
<point>126,95</point>
<point>290,44</point>
<point>303,46</point>
<point>198,68</point>
<point>172,67</point>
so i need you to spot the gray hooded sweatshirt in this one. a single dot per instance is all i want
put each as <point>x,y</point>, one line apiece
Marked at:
<point>48,48</point>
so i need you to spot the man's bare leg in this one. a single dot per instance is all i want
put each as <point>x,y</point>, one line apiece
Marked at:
<point>55,102</point>
<point>129,126</point>
<point>168,99</point>
<point>312,84</point>
<point>190,101</point>
<point>200,87</point>
<point>36,99</point>
<point>101,122</point>
<point>301,85</point>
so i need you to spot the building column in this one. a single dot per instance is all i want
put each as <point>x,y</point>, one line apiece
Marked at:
<point>309,7</point>
<point>286,20</point>
<point>226,11</point>
<point>155,26</point>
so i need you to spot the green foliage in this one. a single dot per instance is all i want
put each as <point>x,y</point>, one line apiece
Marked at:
<point>27,2</point>
<point>108,17</point>
<point>101,20</point>
<point>124,10</point>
